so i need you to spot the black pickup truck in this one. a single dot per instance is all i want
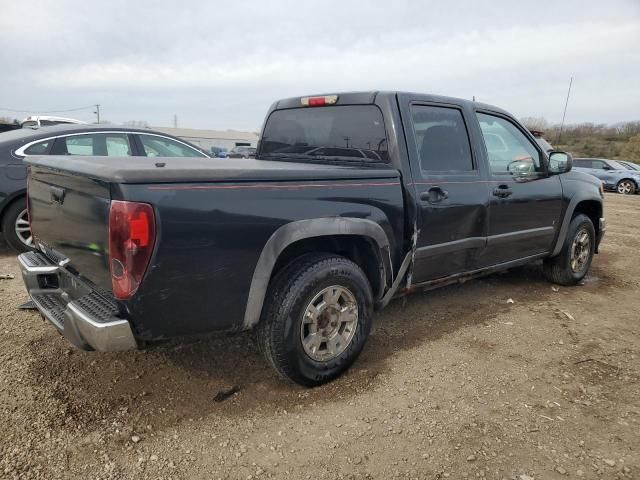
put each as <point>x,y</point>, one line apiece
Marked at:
<point>353,199</point>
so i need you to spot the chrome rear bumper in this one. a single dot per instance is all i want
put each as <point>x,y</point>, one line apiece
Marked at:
<point>86,316</point>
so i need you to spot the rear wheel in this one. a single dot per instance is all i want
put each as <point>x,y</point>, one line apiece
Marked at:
<point>626,187</point>
<point>317,318</point>
<point>15,226</point>
<point>574,260</point>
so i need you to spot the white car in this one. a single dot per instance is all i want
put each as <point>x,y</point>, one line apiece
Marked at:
<point>37,121</point>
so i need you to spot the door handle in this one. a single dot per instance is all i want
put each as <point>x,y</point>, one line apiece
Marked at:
<point>434,195</point>
<point>502,191</point>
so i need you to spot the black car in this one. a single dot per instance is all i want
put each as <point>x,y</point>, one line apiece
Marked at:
<point>353,199</point>
<point>242,152</point>
<point>97,140</point>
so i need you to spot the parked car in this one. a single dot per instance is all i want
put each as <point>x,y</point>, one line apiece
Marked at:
<point>303,248</point>
<point>37,121</point>
<point>68,140</point>
<point>629,165</point>
<point>242,152</point>
<point>615,176</point>
<point>219,152</point>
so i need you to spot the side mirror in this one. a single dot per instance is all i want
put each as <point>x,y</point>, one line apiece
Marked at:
<point>606,167</point>
<point>559,162</point>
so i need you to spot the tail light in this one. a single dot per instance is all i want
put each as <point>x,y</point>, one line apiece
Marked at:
<point>319,101</point>
<point>132,233</point>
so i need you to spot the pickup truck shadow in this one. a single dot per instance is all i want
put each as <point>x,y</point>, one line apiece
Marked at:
<point>188,379</point>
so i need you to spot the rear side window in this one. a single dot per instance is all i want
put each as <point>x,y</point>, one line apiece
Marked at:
<point>165,147</point>
<point>344,132</point>
<point>40,148</point>
<point>94,144</point>
<point>442,139</point>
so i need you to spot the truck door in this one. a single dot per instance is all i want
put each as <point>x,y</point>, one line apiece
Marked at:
<point>526,202</point>
<point>450,187</point>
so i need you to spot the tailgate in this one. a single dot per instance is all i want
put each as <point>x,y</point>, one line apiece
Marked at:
<point>70,218</point>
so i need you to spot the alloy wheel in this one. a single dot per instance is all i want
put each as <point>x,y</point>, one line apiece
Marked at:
<point>329,323</point>
<point>22,228</point>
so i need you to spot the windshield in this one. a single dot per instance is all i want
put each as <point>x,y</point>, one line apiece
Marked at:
<point>349,133</point>
<point>616,166</point>
<point>632,166</point>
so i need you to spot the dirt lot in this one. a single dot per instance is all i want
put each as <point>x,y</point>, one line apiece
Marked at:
<point>457,383</point>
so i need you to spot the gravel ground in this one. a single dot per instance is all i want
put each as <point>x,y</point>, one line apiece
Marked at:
<point>461,382</point>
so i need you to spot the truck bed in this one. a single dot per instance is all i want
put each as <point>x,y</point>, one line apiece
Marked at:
<point>185,170</point>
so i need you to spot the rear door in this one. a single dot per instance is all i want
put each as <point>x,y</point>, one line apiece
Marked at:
<point>525,201</point>
<point>450,185</point>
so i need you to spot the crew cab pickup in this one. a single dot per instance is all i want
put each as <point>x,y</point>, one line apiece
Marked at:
<point>353,199</point>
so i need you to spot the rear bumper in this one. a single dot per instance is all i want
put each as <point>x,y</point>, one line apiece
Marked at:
<point>86,316</point>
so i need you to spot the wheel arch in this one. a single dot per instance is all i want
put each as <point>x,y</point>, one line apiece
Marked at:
<point>588,205</point>
<point>633,180</point>
<point>355,238</point>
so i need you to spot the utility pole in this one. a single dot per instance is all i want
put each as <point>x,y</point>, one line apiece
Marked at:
<point>175,121</point>
<point>565,110</point>
<point>97,112</point>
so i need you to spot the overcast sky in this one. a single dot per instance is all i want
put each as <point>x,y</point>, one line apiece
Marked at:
<point>221,64</point>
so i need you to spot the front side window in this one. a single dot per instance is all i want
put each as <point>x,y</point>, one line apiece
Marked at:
<point>441,139</point>
<point>94,144</point>
<point>165,147</point>
<point>345,133</point>
<point>39,148</point>
<point>598,164</point>
<point>508,149</point>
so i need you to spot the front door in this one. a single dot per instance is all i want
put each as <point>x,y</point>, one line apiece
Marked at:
<point>450,190</point>
<point>526,202</point>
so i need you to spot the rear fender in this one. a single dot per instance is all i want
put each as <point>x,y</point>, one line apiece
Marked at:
<point>303,229</point>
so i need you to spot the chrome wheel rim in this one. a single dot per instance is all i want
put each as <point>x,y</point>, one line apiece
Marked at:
<point>580,250</point>
<point>329,323</point>
<point>22,229</point>
<point>624,187</point>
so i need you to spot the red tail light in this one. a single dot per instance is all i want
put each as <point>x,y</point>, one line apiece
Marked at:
<point>319,101</point>
<point>132,234</point>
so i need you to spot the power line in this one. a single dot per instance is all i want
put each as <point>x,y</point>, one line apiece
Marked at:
<point>48,111</point>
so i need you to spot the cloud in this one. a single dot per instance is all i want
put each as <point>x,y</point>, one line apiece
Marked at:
<point>148,60</point>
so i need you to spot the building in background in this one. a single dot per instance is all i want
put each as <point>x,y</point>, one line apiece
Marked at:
<point>205,139</point>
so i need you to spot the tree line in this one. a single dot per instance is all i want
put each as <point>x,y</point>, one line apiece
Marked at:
<point>598,140</point>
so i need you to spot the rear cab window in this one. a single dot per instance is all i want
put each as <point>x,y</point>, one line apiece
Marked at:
<point>340,133</point>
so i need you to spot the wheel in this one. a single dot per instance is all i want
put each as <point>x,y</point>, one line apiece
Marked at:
<point>317,318</point>
<point>15,226</point>
<point>574,260</point>
<point>626,187</point>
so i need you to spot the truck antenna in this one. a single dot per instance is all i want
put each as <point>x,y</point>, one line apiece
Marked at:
<point>564,114</point>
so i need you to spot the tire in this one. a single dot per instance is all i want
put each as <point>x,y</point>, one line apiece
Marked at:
<point>282,334</point>
<point>626,187</point>
<point>13,213</point>
<point>565,269</point>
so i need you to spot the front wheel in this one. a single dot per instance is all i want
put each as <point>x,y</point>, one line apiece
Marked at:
<point>571,265</point>
<point>317,318</point>
<point>15,226</point>
<point>626,187</point>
